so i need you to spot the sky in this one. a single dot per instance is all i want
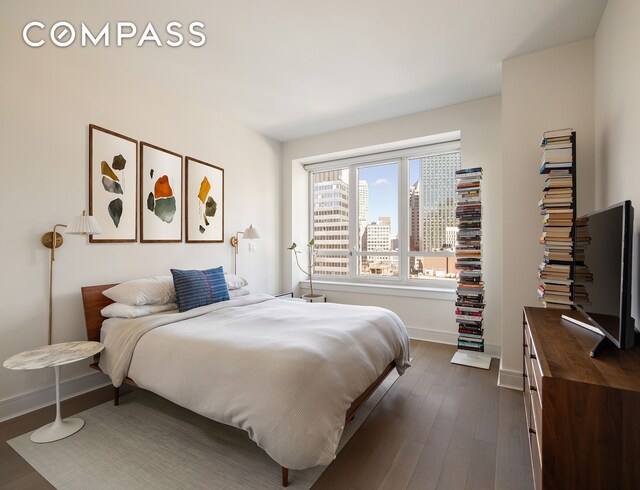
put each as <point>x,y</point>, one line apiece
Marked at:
<point>383,189</point>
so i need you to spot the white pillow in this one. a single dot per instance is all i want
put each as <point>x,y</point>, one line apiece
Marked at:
<point>236,293</point>
<point>235,282</point>
<point>120,310</point>
<point>156,290</point>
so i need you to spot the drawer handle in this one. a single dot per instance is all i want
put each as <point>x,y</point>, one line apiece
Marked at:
<point>533,356</point>
<point>532,431</point>
<point>533,388</point>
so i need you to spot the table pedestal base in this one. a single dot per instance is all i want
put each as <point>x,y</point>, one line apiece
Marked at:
<point>57,430</point>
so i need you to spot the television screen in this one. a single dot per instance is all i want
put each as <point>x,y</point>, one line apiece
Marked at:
<point>606,271</point>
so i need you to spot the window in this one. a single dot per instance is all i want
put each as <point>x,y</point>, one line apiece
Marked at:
<point>386,218</point>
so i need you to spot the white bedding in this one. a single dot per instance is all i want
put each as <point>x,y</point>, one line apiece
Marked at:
<point>110,323</point>
<point>286,372</point>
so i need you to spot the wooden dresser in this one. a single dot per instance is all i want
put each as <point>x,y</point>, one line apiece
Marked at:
<point>583,413</point>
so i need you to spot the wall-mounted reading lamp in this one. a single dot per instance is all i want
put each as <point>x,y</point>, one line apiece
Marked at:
<point>249,234</point>
<point>80,225</point>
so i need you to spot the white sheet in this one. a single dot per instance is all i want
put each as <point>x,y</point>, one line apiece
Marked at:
<point>286,372</point>
<point>107,325</point>
<point>110,323</point>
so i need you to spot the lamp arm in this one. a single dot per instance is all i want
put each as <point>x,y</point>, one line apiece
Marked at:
<point>53,249</point>
<point>54,238</point>
<point>235,241</point>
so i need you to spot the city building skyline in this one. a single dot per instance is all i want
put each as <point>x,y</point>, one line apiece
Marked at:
<point>431,213</point>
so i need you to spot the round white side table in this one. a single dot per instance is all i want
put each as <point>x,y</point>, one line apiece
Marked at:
<point>54,356</point>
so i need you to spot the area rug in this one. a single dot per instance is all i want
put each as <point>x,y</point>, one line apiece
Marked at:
<point>150,443</point>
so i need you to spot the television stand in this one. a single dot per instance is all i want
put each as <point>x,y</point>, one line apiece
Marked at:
<point>602,343</point>
<point>582,413</point>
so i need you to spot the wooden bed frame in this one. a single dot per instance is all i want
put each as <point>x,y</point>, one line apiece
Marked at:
<point>93,301</point>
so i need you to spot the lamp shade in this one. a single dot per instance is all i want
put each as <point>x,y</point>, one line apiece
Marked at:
<point>83,225</point>
<point>251,233</point>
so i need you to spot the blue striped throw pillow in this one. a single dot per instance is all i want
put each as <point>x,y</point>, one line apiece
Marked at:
<point>199,288</point>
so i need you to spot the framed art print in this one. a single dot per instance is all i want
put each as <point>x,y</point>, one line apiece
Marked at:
<point>204,202</point>
<point>113,185</point>
<point>160,194</point>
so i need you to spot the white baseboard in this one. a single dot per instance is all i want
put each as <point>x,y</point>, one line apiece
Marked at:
<point>27,402</point>
<point>450,338</point>
<point>509,379</point>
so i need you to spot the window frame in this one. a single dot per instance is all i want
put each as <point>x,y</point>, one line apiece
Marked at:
<point>401,157</point>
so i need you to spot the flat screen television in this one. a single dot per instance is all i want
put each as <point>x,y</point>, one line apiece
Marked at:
<point>607,241</point>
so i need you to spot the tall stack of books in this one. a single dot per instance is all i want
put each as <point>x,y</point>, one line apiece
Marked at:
<point>470,303</point>
<point>582,273</point>
<point>560,227</point>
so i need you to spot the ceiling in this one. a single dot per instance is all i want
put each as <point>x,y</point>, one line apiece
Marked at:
<point>292,68</point>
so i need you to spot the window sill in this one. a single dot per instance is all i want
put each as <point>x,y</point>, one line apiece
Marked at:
<point>441,293</point>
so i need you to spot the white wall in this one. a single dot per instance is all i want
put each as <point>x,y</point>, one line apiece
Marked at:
<point>48,97</point>
<point>479,122</point>
<point>617,82</point>
<point>546,90</point>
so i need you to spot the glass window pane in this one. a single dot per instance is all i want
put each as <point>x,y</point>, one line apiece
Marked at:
<point>331,218</point>
<point>432,212</point>
<point>378,208</point>
<point>378,265</point>
<point>432,268</point>
<point>332,265</point>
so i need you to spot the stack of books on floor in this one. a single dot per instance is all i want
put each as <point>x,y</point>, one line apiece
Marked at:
<point>557,207</point>
<point>470,291</point>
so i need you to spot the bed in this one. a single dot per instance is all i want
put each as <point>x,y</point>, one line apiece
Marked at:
<point>291,374</point>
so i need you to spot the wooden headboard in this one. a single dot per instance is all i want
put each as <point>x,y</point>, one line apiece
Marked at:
<point>93,301</point>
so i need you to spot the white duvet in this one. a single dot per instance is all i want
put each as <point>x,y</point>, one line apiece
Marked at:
<point>284,371</point>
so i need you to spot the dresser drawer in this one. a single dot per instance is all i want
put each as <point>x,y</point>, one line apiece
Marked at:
<point>536,421</point>
<point>527,405</point>
<point>526,369</point>
<point>536,465</point>
<point>534,373</point>
<point>526,354</point>
<point>535,376</point>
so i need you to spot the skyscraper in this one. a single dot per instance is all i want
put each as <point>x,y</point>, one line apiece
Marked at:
<point>438,199</point>
<point>331,220</point>
<point>415,265</point>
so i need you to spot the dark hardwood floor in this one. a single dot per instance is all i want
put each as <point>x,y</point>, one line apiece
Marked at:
<point>440,426</point>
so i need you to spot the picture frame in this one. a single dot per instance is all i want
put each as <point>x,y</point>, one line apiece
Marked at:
<point>113,185</point>
<point>204,202</point>
<point>160,195</point>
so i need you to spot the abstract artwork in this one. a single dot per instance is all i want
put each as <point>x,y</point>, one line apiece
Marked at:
<point>204,202</point>
<point>113,184</point>
<point>160,194</point>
